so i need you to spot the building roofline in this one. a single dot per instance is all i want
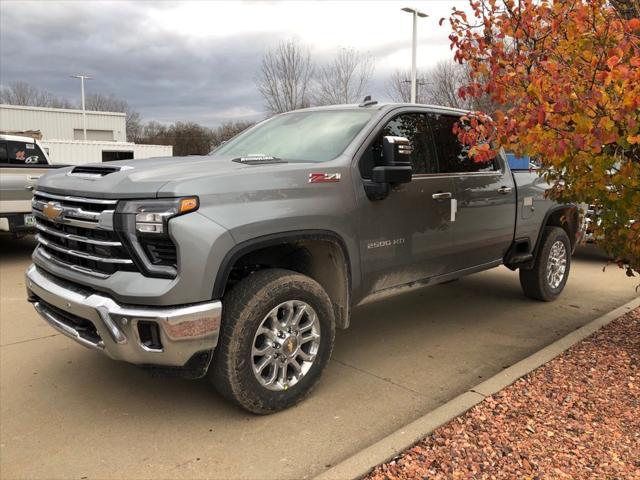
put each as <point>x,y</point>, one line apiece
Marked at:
<point>99,142</point>
<point>61,110</point>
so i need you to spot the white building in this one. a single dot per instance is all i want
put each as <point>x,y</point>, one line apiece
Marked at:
<point>63,134</point>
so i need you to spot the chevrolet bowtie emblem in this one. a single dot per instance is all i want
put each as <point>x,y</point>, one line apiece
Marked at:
<point>52,210</point>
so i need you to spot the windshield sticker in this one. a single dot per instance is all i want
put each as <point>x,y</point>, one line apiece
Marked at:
<point>30,146</point>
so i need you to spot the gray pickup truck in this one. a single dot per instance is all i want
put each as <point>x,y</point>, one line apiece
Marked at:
<point>240,265</point>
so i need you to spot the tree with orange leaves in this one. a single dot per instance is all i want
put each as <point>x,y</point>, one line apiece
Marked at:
<point>567,74</point>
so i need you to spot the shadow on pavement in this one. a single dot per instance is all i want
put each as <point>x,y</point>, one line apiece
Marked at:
<point>16,249</point>
<point>591,253</point>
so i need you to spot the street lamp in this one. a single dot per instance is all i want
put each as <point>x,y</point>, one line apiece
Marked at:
<point>419,83</point>
<point>84,113</point>
<point>416,13</point>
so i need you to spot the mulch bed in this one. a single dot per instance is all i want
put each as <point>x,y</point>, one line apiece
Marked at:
<point>576,417</point>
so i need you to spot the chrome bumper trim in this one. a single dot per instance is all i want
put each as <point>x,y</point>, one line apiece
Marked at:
<point>184,330</point>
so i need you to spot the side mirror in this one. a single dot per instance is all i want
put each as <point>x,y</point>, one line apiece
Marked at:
<point>395,168</point>
<point>396,151</point>
<point>392,174</point>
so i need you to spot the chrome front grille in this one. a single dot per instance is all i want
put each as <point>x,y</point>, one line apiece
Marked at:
<point>77,233</point>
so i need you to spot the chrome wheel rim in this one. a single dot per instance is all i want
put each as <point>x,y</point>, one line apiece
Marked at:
<point>556,264</point>
<point>285,345</point>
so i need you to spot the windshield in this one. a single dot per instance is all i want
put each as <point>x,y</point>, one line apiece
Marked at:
<point>315,136</point>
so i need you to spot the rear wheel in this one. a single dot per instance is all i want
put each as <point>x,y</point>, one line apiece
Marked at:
<point>276,338</point>
<point>546,280</point>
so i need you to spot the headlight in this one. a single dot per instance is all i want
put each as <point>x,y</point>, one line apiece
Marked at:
<point>151,216</point>
<point>143,226</point>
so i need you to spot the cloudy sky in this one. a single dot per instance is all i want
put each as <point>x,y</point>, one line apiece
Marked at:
<point>198,60</point>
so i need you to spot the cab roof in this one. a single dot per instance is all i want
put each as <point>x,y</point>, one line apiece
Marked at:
<point>384,106</point>
<point>18,138</point>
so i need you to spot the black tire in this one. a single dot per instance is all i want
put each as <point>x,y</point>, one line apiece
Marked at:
<point>534,281</point>
<point>244,309</point>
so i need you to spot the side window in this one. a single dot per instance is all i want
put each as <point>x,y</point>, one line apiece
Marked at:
<point>452,156</point>
<point>413,126</point>
<point>24,153</point>
<point>4,158</point>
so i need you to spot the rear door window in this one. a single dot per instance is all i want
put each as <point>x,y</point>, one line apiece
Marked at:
<point>24,153</point>
<point>452,155</point>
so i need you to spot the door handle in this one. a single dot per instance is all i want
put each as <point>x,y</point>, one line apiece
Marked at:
<point>441,195</point>
<point>505,190</point>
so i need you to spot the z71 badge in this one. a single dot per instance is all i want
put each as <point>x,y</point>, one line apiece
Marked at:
<point>324,177</point>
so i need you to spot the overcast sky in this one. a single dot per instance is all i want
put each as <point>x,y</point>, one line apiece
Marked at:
<point>198,61</point>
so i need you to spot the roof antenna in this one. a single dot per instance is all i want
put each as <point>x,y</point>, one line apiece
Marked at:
<point>368,102</point>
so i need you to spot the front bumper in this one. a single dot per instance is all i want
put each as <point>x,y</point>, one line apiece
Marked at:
<point>98,322</point>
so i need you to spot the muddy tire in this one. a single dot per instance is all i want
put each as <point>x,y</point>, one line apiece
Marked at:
<point>546,280</point>
<point>276,338</point>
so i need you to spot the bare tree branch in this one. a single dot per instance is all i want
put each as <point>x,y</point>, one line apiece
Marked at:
<point>284,77</point>
<point>21,93</point>
<point>627,9</point>
<point>438,85</point>
<point>344,80</point>
<point>109,103</point>
<point>398,87</point>
<point>228,130</point>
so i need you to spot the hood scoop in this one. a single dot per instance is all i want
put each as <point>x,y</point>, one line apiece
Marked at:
<point>94,172</point>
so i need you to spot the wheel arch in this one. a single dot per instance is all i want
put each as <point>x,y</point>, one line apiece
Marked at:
<point>319,254</point>
<point>565,216</point>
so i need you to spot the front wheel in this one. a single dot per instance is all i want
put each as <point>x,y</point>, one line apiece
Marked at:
<point>276,338</point>
<point>546,280</point>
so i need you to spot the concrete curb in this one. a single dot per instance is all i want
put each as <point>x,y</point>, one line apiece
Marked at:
<point>361,463</point>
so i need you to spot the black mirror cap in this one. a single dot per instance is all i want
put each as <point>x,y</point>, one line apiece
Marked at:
<point>392,174</point>
<point>396,150</point>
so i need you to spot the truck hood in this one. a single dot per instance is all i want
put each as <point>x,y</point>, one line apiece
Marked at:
<point>143,178</point>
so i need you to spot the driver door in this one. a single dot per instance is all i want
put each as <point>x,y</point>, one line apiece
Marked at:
<point>407,236</point>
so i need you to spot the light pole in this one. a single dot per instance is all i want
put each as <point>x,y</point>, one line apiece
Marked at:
<point>416,13</point>
<point>419,83</point>
<point>84,112</point>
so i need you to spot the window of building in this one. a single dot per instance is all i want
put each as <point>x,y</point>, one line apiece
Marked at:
<point>110,156</point>
<point>95,135</point>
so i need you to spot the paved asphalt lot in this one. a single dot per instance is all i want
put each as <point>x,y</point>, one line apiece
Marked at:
<point>67,412</point>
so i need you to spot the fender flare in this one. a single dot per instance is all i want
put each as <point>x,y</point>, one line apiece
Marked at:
<point>551,211</point>
<point>281,238</point>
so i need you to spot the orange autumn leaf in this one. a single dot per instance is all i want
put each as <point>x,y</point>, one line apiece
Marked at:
<point>566,79</point>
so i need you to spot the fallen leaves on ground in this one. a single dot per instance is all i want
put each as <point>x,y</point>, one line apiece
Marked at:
<point>578,416</point>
